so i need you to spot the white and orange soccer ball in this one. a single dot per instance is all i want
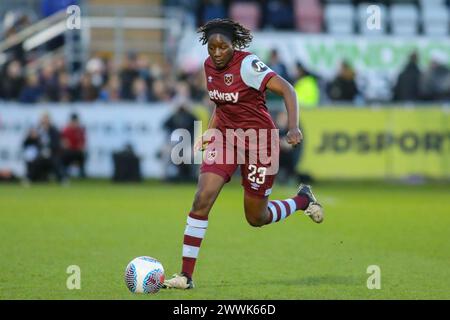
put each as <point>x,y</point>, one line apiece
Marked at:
<point>144,275</point>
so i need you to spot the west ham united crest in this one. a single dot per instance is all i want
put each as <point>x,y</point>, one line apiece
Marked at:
<point>228,79</point>
<point>211,155</point>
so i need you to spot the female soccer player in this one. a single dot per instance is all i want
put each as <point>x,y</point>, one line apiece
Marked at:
<point>236,83</point>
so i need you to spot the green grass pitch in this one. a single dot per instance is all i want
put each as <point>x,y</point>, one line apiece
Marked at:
<point>405,230</point>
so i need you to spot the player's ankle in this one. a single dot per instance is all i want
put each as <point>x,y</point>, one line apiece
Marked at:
<point>184,274</point>
<point>301,201</point>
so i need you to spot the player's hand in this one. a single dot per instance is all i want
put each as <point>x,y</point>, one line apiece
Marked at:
<point>294,136</point>
<point>201,143</point>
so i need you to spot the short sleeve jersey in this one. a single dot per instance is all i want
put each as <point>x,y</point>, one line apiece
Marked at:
<point>238,91</point>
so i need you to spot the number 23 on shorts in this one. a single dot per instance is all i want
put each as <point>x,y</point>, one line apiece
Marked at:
<point>256,175</point>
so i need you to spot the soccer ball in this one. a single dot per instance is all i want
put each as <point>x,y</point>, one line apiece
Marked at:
<point>144,275</point>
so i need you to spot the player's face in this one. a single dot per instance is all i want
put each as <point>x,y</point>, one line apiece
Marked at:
<point>220,49</point>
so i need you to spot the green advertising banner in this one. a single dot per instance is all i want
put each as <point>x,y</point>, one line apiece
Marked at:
<point>376,143</point>
<point>323,53</point>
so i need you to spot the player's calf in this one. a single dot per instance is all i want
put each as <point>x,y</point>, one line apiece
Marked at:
<point>203,201</point>
<point>256,221</point>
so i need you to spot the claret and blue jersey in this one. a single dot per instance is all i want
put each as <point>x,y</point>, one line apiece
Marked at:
<point>238,91</point>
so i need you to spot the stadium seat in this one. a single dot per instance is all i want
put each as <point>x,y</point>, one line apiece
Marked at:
<point>431,3</point>
<point>404,19</point>
<point>308,15</point>
<point>339,18</point>
<point>338,1</point>
<point>435,20</point>
<point>278,15</point>
<point>246,13</point>
<point>362,17</point>
<point>213,11</point>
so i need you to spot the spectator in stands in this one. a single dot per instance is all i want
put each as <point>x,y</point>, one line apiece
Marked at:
<point>111,90</point>
<point>435,83</point>
<point>95,67</point>
<point>279,14</point>
<point>289,156</point>
<point>183,118</point>
<point>86,91</point>
<point>128,74</point>
<point>182,93</point>
<point>343,87</point>
<point>50,142</point>
<point>143,68</point>
<point>73,139</point>
<point>59,64</point>
<point>32,156</point>
<point>32,91</point>
<point>160,92</point>
<point>145,73</point>
<point>65,90</point>
<point>307,88</point>
<point>156,71</point>
<point>127,165</point>
<point>407,86</point>
<point>49,83</point>
<point>13,81</point>
<point>197,84</point>
<point>140,91</point>
<point>277,65</point>
<point>6,175</point>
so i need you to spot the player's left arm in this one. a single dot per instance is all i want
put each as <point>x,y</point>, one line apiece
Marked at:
<point>280,86</point>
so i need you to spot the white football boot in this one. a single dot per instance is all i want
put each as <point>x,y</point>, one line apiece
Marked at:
<point>179,281</point>
<point>314,209</point>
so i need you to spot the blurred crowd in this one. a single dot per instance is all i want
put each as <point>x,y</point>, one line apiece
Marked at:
<point>49,151</point>
<point>313,16</point>
<point>138,80</point>
<point>266,14</point>
<point>135,80</point>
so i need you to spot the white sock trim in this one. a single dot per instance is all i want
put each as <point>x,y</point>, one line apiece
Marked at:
<point>190,251</point>
<point>292,205</point>
<point>282,208</point>
<point>197,223</point>
<point>274,211</point>
<point>195,232</point>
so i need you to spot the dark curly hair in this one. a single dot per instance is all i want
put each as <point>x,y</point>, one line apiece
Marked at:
<point>240,36</point>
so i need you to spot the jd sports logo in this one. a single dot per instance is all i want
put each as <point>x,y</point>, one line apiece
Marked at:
<point>259,66</point>
<point>365,142</point>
